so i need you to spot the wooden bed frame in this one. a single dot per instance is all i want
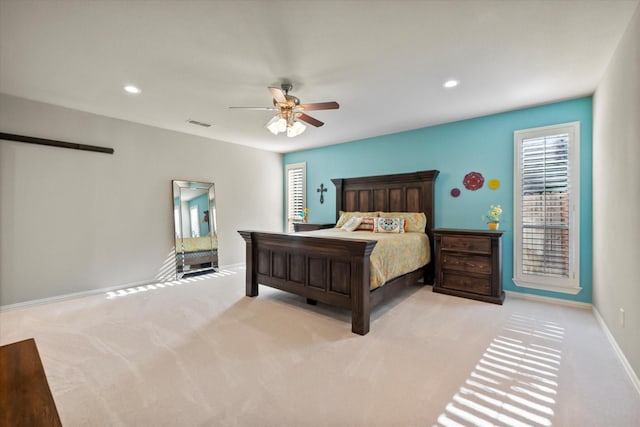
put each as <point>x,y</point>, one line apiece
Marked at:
<point>336,271</point>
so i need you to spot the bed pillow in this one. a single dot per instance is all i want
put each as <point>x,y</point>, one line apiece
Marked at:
<point>352,224</point>
<point>346,216</point>
<point>413,221</point>
<point>388,225</point>
<point>367,223</point>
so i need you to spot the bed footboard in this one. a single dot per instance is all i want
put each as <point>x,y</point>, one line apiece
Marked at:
<point>331,271</point>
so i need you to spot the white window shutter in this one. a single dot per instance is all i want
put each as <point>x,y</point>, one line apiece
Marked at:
<point>296,192</point>
<point>545,205</point>
<point>546,232</point>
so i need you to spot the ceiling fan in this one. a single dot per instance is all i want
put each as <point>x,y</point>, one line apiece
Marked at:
<point>290,111</point>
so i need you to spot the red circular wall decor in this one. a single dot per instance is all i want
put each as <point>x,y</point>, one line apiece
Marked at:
<point>455,192</point>
<point>473,180</point>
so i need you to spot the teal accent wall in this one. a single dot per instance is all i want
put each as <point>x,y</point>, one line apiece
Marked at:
<point>484,145</point>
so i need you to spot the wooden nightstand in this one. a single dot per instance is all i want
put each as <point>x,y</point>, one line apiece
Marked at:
<point>469,264</point>
<point>307,226</point>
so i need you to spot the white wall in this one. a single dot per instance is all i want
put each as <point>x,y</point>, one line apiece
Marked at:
<point>616,194</point>
<point>74,221</point>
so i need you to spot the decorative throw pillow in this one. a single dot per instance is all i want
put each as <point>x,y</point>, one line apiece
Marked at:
<point>413,221</point>
<point>346,216</point>
<point>352,224</point>
<point>366,224</point>
<point>388,225</point>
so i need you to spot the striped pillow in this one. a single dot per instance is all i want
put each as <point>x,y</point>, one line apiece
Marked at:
<point>367,224</point>
<point>346,216</point>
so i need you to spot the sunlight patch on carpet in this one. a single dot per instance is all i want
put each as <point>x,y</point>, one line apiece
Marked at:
<point>515,382</point>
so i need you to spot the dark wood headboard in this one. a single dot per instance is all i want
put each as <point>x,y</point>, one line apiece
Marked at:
<point>405,192</point>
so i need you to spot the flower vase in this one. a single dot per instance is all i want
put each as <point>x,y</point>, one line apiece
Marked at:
<point>494,225</point>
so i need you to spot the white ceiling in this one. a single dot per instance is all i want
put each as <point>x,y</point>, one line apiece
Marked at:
<point>383,61</point>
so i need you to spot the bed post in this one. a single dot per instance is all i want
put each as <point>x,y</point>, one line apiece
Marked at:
<point>361,312</point>
<point>428,199</point>
<point>338,183</point>
<point>251,276</point>
<point>361,292</point>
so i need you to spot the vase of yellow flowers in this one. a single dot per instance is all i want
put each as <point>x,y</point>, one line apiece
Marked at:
<point>304,214</point>
<point>493,217</point>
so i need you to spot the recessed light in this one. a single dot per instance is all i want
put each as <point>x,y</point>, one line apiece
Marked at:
<point>132,89</point>
<point>451,83</point>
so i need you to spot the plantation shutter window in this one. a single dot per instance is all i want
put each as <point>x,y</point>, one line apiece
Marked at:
<point>545,205</point>
<point>296,192</point>
<point>546,234</point>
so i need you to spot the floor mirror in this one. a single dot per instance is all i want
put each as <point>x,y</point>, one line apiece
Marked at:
<point>196,240</point>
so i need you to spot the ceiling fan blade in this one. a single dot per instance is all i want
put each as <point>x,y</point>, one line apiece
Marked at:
<point>278,94</point>
<point>321,106</point>
<point>254,108</point>
<point>305,118</point>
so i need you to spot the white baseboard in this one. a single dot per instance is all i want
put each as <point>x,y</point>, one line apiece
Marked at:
<point>91,292</point>
<point>234,266</point>
<point>627,366</point>
<point>550,300</point>
<point>73,295</point>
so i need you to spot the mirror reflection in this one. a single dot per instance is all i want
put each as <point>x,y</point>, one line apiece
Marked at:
<point>194,213</point>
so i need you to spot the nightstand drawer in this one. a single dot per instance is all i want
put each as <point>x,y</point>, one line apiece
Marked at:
<point>461,282</point>
<point>467,263</point>
<point>467,244</point>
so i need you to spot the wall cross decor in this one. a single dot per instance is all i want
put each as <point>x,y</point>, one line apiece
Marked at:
<point>321,190</point>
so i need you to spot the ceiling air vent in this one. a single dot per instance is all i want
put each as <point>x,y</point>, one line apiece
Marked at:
<point>196,122</point>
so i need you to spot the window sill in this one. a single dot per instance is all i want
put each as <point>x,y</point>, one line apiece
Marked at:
<point>573,290</point>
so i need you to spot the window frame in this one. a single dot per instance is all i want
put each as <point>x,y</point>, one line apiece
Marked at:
<point>290,220</point>
<point>570,284</point>
<point>194,220</point>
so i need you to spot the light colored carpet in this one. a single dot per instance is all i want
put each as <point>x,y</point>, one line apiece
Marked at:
<point>200,353</point>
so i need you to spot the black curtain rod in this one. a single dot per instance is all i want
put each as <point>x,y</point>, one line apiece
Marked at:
<point>54,143</point>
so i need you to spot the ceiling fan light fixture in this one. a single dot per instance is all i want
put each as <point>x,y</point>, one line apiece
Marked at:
<point>291,113</point>
<point>276,125</point>
<point>295,129</point>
